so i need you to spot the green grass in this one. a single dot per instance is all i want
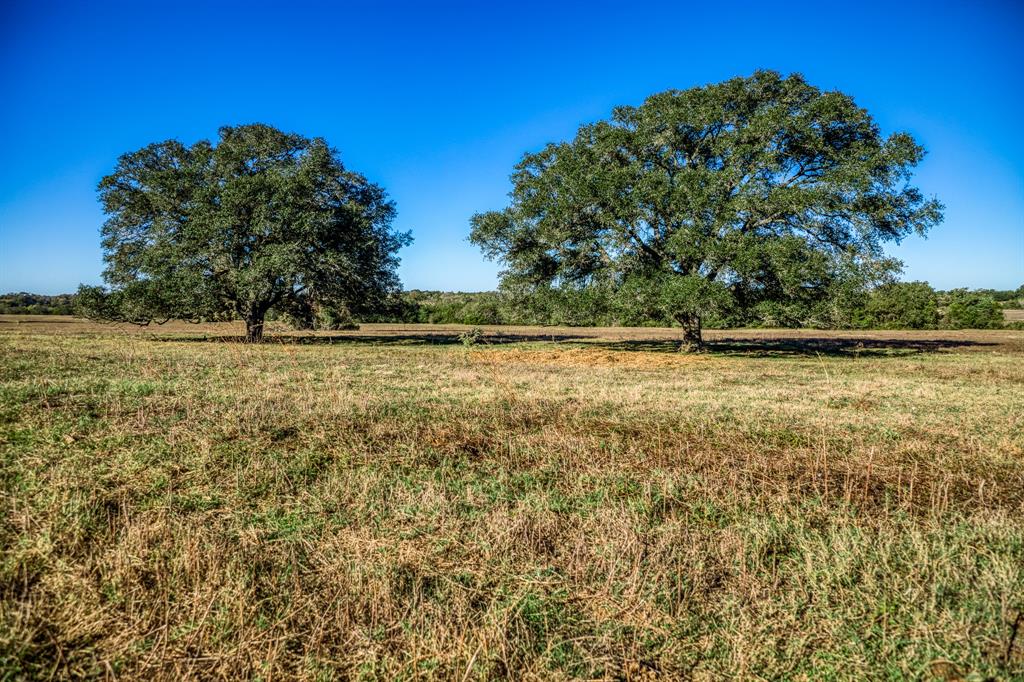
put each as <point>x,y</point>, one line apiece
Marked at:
<point>388,509</point>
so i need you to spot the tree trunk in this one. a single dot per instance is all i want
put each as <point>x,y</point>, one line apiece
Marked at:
<point>693,340</point>
<point>254,327</point>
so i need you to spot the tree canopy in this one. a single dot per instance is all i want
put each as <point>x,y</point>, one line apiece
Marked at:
<point>903,305</point>
<point>260,220</point>
<point>967,309</point>
<point>746,195</point>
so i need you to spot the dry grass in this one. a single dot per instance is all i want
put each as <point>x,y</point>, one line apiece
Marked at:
<point>1014,314</point>
<point>550,504</point>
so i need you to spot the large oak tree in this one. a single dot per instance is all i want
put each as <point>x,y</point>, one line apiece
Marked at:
<point>710,200</point>
<point>260,220</point>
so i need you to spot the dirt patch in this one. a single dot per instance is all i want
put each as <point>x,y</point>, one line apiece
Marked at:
<point>587,357</point>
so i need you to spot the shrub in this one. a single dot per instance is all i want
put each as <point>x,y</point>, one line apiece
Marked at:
<point>903,305</point>
<point>972,310</point>
<point>471,337</point>
<point>329,318</point>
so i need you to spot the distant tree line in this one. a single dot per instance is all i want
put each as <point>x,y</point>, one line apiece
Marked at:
<point>896,305</point>
<point>23,303</point>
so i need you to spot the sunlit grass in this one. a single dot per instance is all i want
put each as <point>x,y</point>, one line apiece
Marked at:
<point>379,507</point>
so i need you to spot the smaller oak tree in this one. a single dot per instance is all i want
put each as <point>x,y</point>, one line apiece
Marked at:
<point>758,193</point>
<point>261,220</point>
<point>903,305</point>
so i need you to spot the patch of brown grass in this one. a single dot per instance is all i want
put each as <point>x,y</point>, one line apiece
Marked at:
<point>586,357</point>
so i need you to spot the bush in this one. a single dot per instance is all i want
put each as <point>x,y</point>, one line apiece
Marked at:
<point>972,310</point>
<point>334,319</point>
<point>471,337</point>
<point>903,305</point>
<point>442,307</point>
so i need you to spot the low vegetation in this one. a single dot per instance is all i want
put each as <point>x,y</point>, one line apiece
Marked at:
<point>541,503</point>
<point>23,303</point>
<point>899,305</point>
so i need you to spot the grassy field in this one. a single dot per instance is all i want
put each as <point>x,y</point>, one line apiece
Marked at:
<point>1014,314</point>
<point>546,504</point>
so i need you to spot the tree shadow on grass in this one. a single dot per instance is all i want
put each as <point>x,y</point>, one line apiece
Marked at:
<point>836,346</point>
<point>805,346</point>
<point>385,339</point>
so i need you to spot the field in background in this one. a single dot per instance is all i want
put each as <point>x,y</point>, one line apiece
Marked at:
<point>1014,314</point>
<point>547,503</point>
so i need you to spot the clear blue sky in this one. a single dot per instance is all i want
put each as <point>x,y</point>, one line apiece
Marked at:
<point>437,101</point>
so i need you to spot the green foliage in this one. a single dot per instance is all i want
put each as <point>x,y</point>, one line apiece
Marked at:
<point>261,220</point>
<point>569,306</point>
<point>756,196</point>
<point>24,303</point>
<point>903,305</point>
<point>334,319</point>
<point>315,316</point>
<point>1011,296</point>
<point>443,307</point>
<point>471,337</point>
<point>972,310</point>
<point>848,304</point>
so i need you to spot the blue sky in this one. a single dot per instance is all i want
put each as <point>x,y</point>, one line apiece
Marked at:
<point>437,101</point>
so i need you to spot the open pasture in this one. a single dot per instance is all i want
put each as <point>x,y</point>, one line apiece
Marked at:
<point>548,503</point>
